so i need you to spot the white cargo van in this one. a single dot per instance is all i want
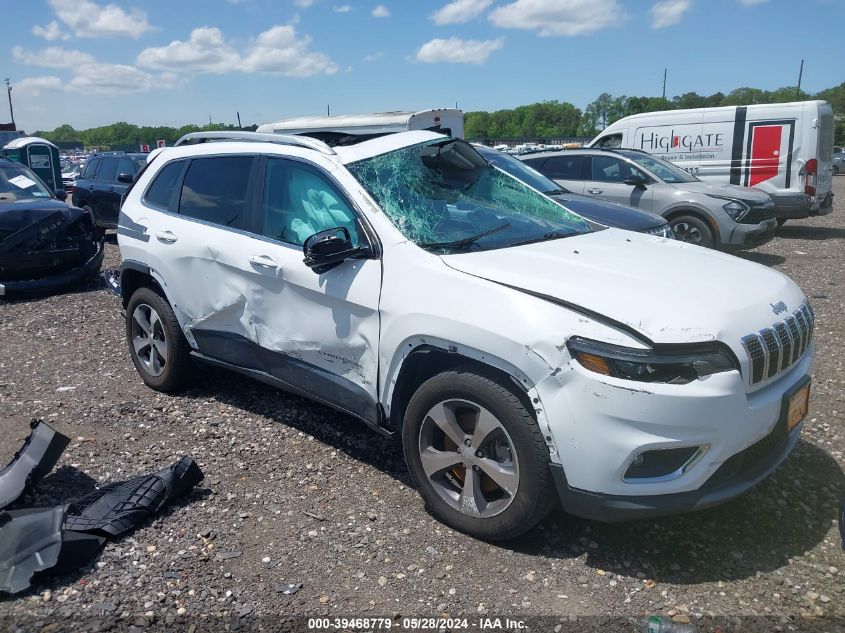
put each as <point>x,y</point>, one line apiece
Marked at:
<point>784,149</point>
<point>332,129</point>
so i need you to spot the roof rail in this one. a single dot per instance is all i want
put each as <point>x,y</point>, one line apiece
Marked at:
<point>195,138</point>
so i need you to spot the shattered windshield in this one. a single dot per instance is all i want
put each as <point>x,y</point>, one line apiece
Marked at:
<point>445,197</point>
<point>18,183</point>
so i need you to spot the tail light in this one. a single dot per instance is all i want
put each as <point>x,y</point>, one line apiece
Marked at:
<point>811,171</point>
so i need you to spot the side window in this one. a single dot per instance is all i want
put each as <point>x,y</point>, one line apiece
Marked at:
<point>300,201</point>
<point>611,140</point>
<point>91,168</point>
<point>125,166</point>
<point>215,190</point>
<point>612,169</point>
<point>160,191</point>
<point>108,170</point>
<point>565,167</point>
<point>536,163</point>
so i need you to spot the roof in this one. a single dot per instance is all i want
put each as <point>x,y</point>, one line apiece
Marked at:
<point>27,140</point>
<point>376,123</point>
<point>383,144</point>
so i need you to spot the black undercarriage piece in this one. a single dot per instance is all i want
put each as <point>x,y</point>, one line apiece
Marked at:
<point>118,508</point>
<point>39,453</point>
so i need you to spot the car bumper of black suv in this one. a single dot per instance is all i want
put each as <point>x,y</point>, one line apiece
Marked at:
<point>50,283</point>
<point>734,477</point>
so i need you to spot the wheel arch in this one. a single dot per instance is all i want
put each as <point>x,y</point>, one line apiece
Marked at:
<point>136,275</point>
<point>427,360</point>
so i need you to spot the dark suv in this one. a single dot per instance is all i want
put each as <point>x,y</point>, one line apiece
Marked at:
<point>103,182</point>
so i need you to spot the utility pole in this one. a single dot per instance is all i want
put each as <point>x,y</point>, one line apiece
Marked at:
<point>798,89</point>
<point>328,109</point>
<point>239,120</point>
<point>664,86</point>
<point>11,111</point>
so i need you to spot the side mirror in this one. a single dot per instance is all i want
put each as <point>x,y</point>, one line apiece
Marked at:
<point>636,181</point>
<point>328,249</point>
<point>61,194</point>
<point>125,178</point>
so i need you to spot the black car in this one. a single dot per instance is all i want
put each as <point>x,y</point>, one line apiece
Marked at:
<point>606,213</point>
<point>44,243</point>
<point>100,187</point>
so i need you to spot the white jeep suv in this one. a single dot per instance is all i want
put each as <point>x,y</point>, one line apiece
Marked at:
<point>522,356</point>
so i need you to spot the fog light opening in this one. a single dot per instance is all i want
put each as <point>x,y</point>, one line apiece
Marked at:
<point>662,464</point>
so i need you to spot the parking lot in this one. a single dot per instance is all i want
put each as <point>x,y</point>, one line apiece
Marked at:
<point>297,493</point>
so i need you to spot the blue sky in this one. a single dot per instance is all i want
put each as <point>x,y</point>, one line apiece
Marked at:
<point>170,62</point>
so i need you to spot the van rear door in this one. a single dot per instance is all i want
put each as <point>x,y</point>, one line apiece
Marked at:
<point>824,178</point>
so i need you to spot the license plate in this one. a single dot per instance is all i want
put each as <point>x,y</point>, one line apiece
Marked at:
<point>797,407</point>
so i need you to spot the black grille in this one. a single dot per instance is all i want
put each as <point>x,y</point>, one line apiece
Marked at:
<point>755,216</point>
<point>774,349</point>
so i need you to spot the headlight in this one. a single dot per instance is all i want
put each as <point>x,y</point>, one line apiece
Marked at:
<point>666,364</point>
<point>734,208</point>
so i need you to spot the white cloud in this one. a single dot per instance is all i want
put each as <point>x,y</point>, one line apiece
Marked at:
<point>381,11</point>
<point>34,86</point>
<point>51,57</point>
<point>113,79</point>
<point>460,11</point>
<point>457,51</point>
<point>668,12</point>
<point>751,3</point>
<point>277,50</point>
<point>344,8</point>
<point>373,57</point>
<point>559,17</point>
<point>303,3</point>
<point>51,32</point>
<point>89,19</point>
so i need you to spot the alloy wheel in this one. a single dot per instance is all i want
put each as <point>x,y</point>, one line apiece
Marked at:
<point>686,232</point>
<point>149,340</point>
<point>469,458</point>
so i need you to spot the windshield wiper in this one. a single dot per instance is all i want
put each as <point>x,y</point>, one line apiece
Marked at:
<point>466,241</point>
<point>545,237</point>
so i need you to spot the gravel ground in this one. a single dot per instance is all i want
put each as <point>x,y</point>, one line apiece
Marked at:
<point>296,493</point>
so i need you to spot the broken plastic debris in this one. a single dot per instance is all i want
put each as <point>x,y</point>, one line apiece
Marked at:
<point>39,453</point>
<point>30,541</point>
<point>118,508</point>
<point>289,590</point>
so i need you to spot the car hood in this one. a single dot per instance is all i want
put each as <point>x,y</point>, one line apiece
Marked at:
<point>747,194</point>
<point>609,213</point>
<point>17,215</point>
<point>667,291</point>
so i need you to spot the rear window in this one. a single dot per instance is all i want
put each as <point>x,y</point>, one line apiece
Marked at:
<point>108,170</point>
<point>90,169</point>
<point>826,138</point>
<point>160,192</point>
<point>215,190</point>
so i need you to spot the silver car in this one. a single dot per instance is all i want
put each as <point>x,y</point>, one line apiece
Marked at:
<point>839,163</point>
<point>726,217</point>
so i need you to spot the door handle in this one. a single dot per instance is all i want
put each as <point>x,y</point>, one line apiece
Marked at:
<point>167,237</point>
<point>263,261</point>
<point>595,192</point>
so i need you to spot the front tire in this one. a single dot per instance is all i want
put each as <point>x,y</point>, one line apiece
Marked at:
<point>157,346</point>
<point>692,229</point>
<point>477,456</point>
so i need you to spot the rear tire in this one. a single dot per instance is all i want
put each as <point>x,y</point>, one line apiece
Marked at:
<point>99,232</point>
<point>491,431</point>
<point>157,346</point>
<point>692,229</point>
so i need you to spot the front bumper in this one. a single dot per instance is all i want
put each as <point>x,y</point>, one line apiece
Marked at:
<point>744,236</point>
<point>601,425</point>
<point>63,279</point>
<point>735,477</point>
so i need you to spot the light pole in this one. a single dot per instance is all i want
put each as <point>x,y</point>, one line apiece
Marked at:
<point>9,91</point>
